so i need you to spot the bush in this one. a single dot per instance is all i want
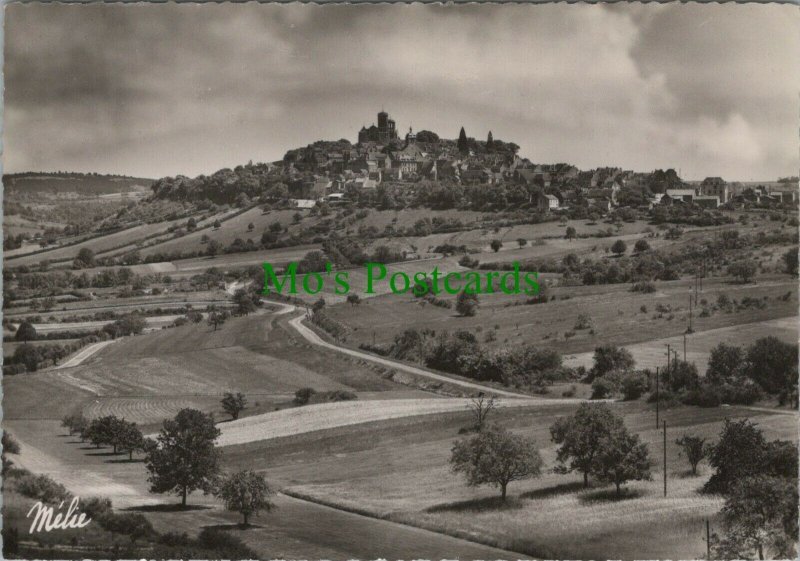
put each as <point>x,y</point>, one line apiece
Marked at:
<point>633,385</point>
<point>643,287</point>
<point>10,444</point>
<point>130,524</point>
<point>602,388</point>
<point>228,545</point>
<point>42,488</point>
<point>304,395</point>
<point>95,507</point>
<point>335,395</point>
<point>468,262</point>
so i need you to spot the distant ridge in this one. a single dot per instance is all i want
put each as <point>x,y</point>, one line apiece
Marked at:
<point>75,182</point>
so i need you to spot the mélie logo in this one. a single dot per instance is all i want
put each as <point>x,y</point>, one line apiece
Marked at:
<point>47,519</point>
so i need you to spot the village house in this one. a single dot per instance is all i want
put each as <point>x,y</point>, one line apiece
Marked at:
<point>716,187</point>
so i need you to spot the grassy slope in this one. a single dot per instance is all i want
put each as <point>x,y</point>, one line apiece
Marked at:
<point>149,377</point>
<point>384,317</point>
<point>398,470</point>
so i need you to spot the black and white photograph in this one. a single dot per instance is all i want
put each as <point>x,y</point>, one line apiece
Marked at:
<point>400,281</point>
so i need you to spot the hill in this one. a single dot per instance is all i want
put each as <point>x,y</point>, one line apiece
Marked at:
<point>60,183</point>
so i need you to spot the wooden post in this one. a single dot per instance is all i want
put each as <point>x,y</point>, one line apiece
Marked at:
<point>665,458</point>
<point>656,397</point>
<point>684,347</point>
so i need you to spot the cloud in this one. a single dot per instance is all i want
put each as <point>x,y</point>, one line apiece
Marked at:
<point>165,89</point>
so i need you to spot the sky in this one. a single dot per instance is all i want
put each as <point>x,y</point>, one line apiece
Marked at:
<point>166,89</point>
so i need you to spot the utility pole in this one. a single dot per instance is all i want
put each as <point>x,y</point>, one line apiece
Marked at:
<point>708,539</point>
<point>690,314</point>
<point>684,347</point>
<point>665,458</point>
<point>656,397</point>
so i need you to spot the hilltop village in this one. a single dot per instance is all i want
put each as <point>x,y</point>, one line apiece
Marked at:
<point>386,170</point>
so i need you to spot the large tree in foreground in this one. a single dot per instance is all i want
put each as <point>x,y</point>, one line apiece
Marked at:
<point>581,437</point>
<point>183,458</point>
<point>245,492</point>
<point>759,519</point>
<point>496,457</point>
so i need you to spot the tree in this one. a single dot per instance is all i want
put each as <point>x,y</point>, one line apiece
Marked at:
<point>726,363</point>
<point>581,436</point>
<point>217,318</point>
<point>571,233</point>
<point>620,458</point>
<point>496,457</point>
<point>694,448</point>
<point>245,302</point>
<point>496,245</point>
<point>760,515</point>
<point>191,224</point>
<point>619,247</point>
<point>463,143</point>
<point>353,299</point>
<point>743,270</point>
<point>610,358</point>
<point>251,227</point>
<point>25,332</point>
<point>313,261</point>
<point>467,304</point>
<point>772,364</point>
<point>739,453</point>
<point>130,324</point>
<point>319,305</point>
<point>522,242</point>
<point>183,458</point>
<point>245,492</point>
<point>128,438</point>
<point>790,260</point>
<point>489,141</point>
<point>213,248</point>
<point>233,404</point>
<point>641,246</point>
<point>217,224</point>
<point>481,408</point>
<point>28,355</point>
<point>105,431</point>
<point>84,259</point>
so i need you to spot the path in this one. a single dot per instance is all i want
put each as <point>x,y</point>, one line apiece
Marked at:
<point>310,336</point>
<point>83,354</point>
<point>324,416</point>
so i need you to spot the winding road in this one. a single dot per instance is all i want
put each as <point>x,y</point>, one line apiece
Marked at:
<point>309,335</point>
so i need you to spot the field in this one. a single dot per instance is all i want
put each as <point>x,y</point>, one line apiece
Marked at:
<point>360,478</point>
<point>379,320</point>
<point>398,471</point>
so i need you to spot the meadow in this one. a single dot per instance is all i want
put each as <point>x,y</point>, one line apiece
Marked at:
<point>617,315</point>
<point>398,471</point>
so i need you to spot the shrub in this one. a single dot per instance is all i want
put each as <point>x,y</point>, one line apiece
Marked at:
<point>227,544</point>
<point>633,385</point>
<point>304,395</point>
<point>468,262</point>
<point>336,395</point>
<point>602,388</point>
<point>42,488</point>
<point>643,287</point>
<point>10,444</point>
<point>131,524</point>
